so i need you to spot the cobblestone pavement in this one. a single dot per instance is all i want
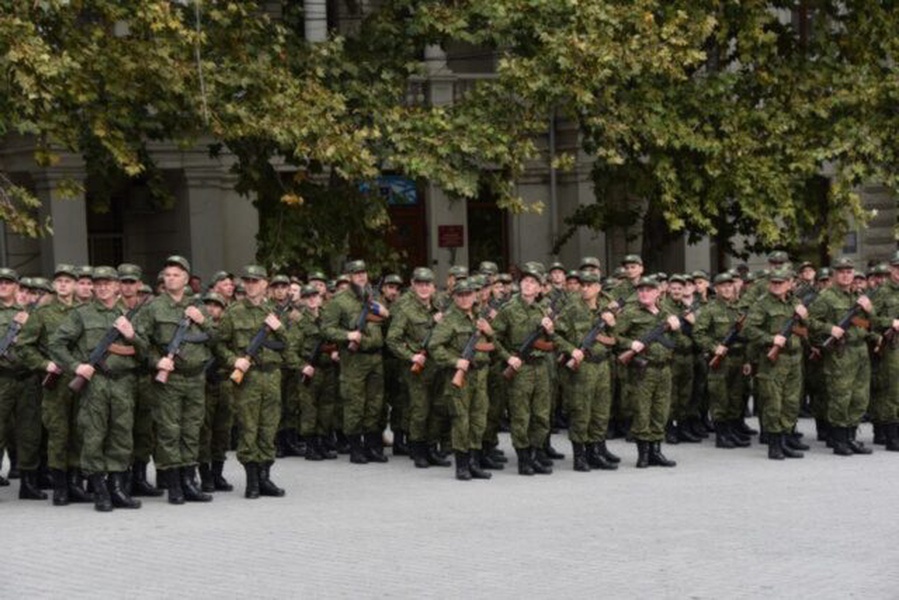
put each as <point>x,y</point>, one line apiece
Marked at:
<point>722,524</point>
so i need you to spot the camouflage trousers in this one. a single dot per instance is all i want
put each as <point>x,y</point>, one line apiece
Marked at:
<point>59,413</point>
<point>257,407</point>
<point>215,434</point>
<point>106,419</point>
<point>179,410</point>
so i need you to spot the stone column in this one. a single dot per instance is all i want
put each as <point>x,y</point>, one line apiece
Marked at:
<point>68,217</point>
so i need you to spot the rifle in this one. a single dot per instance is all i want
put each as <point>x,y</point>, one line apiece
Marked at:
<point>98,354</point>
<point>656,334</point>
<point>787,330</point>
<point>587,342</point>
<point>368,296</point>
<point>730,338</point>
<point>888,337</point>
<point>423,348</point>
<point>527,347</point>
<point>177,343</point>
<point>843,323</point>
<point>256,344</point>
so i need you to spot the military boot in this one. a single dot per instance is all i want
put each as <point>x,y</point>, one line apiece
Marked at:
<point>218,479</point>
<point>162,479</point>
<point>740,439</point>
<point>474,466</point>
<point>856,446</point>
<point>742,428</point>
<point>77,494</point>
<point>102,501</point>
<point>14,472</point>
<point>252,489</point>
<point>28,488</point>
<point>525,466</point>
<point>486,461</point>
<point>313,450</point>
<point>267,487</point>
<point>374,448</point>
<point>722,439</point>
<point>206,483</point>
<point>357,453</point>
<point>117,493</point>
<point>789,449</point>
<point>434,458</point>
<point>326,447</point>
<point>839,438</point>
<point>688,434</point>
<point>550,451</point>
<point>139,484</point>
<point>822,429</point>
<point>400,448</point>
<point>173,486</point>
<point>292,444</point>
<point>342,443</point>
<point>4,482</point>
<point>642,454</point>
<point>794,440</point>
<point>891,431</point>
<point>775,447</point>
<point>880,435</point>
<point>191,487</point>
<point>60,488</point>
<point>657,459</point>
<point>540,462</point>
<point>579,453</point>
<point>44,477</point>
<point>603,450</point>
<point>463,471</point>
<point>419,453</point>
<point>596,459</point>
<point>671,433</point>
<point>280,451</point>
<point>495,454</point>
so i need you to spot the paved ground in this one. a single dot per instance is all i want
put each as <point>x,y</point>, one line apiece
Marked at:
<point>723,524</point>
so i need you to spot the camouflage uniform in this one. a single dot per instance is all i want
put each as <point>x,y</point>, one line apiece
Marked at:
<point>318,396</point>
<point>886,411</point>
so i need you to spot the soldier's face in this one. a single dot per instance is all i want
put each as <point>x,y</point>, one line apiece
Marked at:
<point>727,291</point>
<point>84,288</point>
<point>224,288</point>
<point>464,300</point>
<point>557,276</point>
<point>23,296</point>
<point>359,279</point>
<point>390,291</point>
<point>675,290</point>
<point>321,286</point>
<point>844,277</point>
<point>8,289</point>
<point>129,289</point>
<point>313,301</point>
<point>590,291</point>
<point>174,279</point>
<point>106,290</point>
<point>633,270</point>
<point>294,292</point>
<point>255,288</point>
<point>530,287</point>
<point>64,286</point>
<point>647,296</point>
<point>215,310</point>
<point>279,292</point>
<point>423,289</point>
<point>702,285</point>
<point>573,285</point>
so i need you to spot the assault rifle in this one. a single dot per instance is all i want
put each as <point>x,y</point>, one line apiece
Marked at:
<point>533,341</point>
<point>259,340</point>
<point>730,338</point>
<point>849,318</point>
<point>176,344</point>
<point>790,327</point>
<point>656,334</point>
<point>587,342</point>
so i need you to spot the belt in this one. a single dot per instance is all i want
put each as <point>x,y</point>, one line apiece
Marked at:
<point>369,351</point>
<point>534,360</point>
<point>595,360</point>
<point>189,372</point>
<point>115,374</point>
<point>266,367</point>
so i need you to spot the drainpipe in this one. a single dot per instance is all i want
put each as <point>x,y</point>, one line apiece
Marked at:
<point>553,196</point>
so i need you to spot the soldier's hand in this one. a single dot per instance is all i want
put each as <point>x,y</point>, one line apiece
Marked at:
<point>514,362</point>
<point>896,324</point>
<point>484,327</point>
<point>747,369</point>
<point>578,355</point>
<point>308,371</point>
<point>84,370</point>
<point>125,327</point>
<point>194,314</point>
<point>273,322</point>
<point>837,332</point>
<point>21,317</point>
<point>242,364</point>
<point>609,318</point>
<point>720,350</point>
<point>335,356</point>
<point>438,317</point>
<point>780,340</point>
<point>802,311</point>
<point>690,318</point>
<point>462,365</point>
<point>547,325</point>
<point>165,364</point>
<point>673,323</point>
<point>52,367</point>
<point>637,346</point>
<point>419,359</point>
<point>865,303</point>
<point>354,336</point>
<point>492,314</point>
<point>613,305</point>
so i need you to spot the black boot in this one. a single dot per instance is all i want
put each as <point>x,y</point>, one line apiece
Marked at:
<point>400,448</point>
<point>596,459</point>
<point>60,488</point>
<point>579,451</point>
<point>540,461</point>
<point>822,427</point>
<point>14,472</point>
<point>671,433</point>
<point>357,453</point>
<point>252,490</point>
<point>77,494</point>
<point>485,461</point>
<point>267,487</point>
<point>496,454</point>
<point>891,431</point>
<point>139,484</point>
<point>434,458</point>
<point>4,482</point>
<point>463,470</point>
<point>839,438</point>
<point>525,466</point>
<point>789,450</point>
<point>695,426</point>
<point>44,478</point>
<point>794,443</point>
<point>606,454</point>
<point>120,498</point>
<point>657,459</point>
<point>722,439</point>
<point>419,452</point>
<point>775,447</point>
<point>218,479</point>
<point>880,435</point>
<point>292,444</point>
<point>642,454</point>
<point>374,448</point>
<point>102,501</point>
<point>326,447</point>
<point>687,434</point>
<point>342,443</point>
<point>856,446</point>
<point>280,450</point>
<point>741,427</point>
<point>550,451</point>
<point>162,479</point>
<point>313,449</point>
<point>206,483</point>
<point>474,466</point>
<point>173,485</point>
<point>28,488</point>
<point>191,487</point>
<point>740,439</point>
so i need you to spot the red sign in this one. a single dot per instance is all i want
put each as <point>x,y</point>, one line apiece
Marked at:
<point>450,236</point>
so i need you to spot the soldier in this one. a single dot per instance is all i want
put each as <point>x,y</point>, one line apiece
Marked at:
<point>287,442</point>
<point>179,386</point>
<point>528,390</point>
<point>84,284</point>
<point>106,416</point>
<point>396,393</point>
<point>466,394</point>
<point>215,433</point>
<point>778,379</point>
<point>257,389</point>
<point>847,367</point>
<point>318,393</point>
<point>361,363</point>
<point>648,381</point>
<point>589,387</point>
<point>410,330</point>
<point>679,302</point>
<point>886,323</point>
<point>223,285</point>
<point>717,336</point>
